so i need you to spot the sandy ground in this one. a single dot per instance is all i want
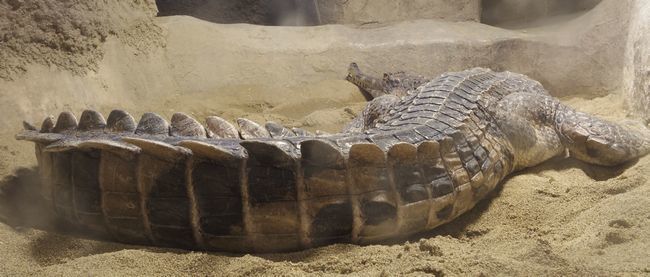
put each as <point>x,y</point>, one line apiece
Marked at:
<point>561,218</point>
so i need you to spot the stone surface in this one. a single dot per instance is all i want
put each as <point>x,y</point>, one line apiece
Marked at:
<point>317,12</point>
<point>583,57</point>
<point>497,12</point>
<point>637,71</point>
<point>70,34</point>
<point>369,11</point>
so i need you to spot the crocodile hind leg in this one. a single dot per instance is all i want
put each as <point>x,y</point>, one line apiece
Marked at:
<point>597,141</point>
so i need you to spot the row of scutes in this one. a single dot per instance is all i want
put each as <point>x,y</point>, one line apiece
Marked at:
<point>182,125</point>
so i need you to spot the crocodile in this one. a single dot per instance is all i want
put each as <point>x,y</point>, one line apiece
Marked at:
<point>422,152</point>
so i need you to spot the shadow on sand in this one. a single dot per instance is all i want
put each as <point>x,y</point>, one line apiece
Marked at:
<point>23,208</point>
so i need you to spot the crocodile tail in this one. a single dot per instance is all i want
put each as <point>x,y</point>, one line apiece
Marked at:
<point>170,185</point>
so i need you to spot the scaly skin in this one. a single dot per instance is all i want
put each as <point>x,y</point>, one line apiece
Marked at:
<point>418,156</point>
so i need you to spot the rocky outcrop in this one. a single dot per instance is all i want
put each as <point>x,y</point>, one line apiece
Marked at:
<point>637,71</point>
<point>70,34</point>
<point>498,12</point>
<point>373,11</point>
<point>318,12</point>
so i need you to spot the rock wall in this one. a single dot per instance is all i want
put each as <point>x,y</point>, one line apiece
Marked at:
<point>637,71</point>
<point>218,11</point>
<point>69,34</point>
<point>497,12</point>
<point>584,57</point>
<point>202,60</point>
<point>368,11</point>
<point>318,12</point>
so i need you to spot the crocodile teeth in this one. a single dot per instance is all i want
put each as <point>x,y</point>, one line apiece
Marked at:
<point>91,120</point>
<point>186,126</point>
<point>248,129</point>
<point>120,121</point>
<point>278,131</point>
<point>66,122</point>
<point>302,132</point>
<point>152,124</point>
<point>220,128</point>
<point>48,124</point>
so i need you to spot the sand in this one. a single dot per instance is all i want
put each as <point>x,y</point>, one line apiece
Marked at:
<point>563,217</point>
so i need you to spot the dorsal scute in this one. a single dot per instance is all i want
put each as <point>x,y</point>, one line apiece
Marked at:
<point>367,153</point>
<point>220,128</point>
<point>28,126</point>
<point>321,133</point>
<point>120,121</point>
<point>278,131</point>
<point>182,125</point>
<point>322,153</point>
<point>91,120</point>
<point>213,152</point>
<point>271,152</point>
<point>62,146</point>
<point>48,124</point>
<point>159,149</point>
<point>249,129</point>
<point>152,124</point>
<point>301,132</point>
<point>65,122</point>
<point>402,152</point>
<point>384,140</point>
<point>125,150</point>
